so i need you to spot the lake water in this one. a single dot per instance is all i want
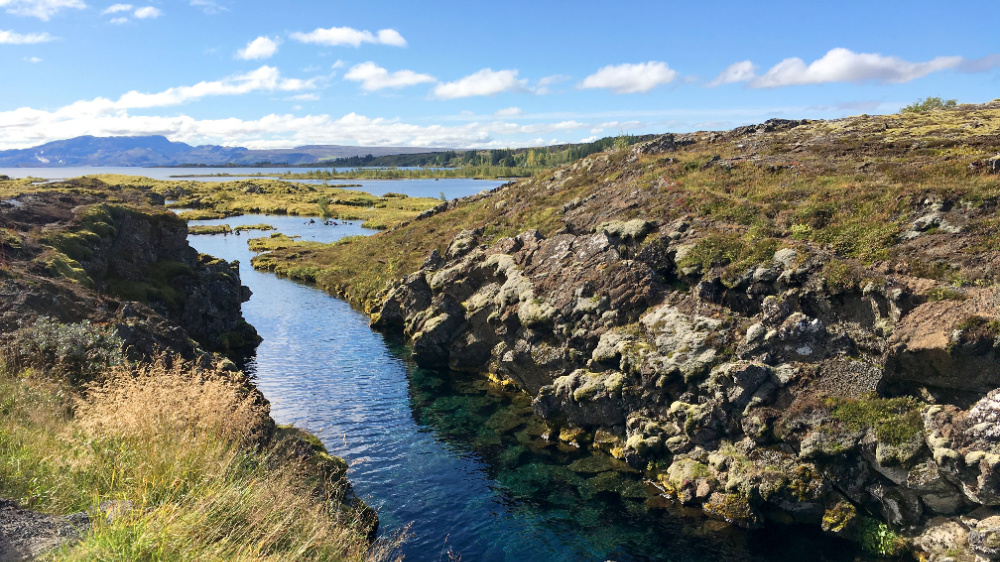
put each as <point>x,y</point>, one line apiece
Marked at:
<point>451,188</point>
<point>460,461</point>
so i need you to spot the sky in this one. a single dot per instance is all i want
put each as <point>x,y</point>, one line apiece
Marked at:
<point>441,73</point>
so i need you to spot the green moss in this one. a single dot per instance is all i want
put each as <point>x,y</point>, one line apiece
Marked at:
<point>210,229</point>
<point>894,420</point>
<point>60,265</point>
<point>838,518</point>
<point>249,227</point>
<point>77,245</point>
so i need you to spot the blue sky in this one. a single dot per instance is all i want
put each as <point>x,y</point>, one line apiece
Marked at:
<point>464,74</point>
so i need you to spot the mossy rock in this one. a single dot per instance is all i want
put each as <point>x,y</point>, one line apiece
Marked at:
<point>734,509</point>
<point>841,519</point>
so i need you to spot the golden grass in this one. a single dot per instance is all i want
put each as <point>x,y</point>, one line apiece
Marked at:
<point>191,449</point>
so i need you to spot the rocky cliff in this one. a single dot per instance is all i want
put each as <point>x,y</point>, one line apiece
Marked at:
<point>789,323</point>
<point>84,267</point>
<point>75,253</point>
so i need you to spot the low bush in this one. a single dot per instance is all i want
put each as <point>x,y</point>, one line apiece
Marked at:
<point>78,352</point>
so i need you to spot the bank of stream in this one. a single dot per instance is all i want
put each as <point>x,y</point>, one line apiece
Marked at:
<point>462,462</point>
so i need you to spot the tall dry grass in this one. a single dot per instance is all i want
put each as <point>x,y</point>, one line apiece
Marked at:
<point>191,450</point>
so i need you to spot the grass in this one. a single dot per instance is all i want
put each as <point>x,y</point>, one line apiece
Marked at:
<point>210,229</point>
<point>847,191</point>
<point>191,449</point>
<point>265,196</point>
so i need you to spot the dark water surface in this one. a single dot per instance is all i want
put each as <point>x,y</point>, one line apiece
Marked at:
<point>459,460</point>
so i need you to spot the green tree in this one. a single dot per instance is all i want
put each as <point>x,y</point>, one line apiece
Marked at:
<point>929,104</point>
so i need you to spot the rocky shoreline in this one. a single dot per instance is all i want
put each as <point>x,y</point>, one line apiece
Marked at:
<point>88,253</point>
<point>794,389</point>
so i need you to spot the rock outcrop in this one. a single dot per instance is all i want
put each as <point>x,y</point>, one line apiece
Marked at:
<point>124,263</point>
<point>754,395</point>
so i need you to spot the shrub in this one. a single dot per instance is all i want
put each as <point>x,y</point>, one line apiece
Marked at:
<point>877,538</point>
<point>80,352</point>
<point>929,104</point>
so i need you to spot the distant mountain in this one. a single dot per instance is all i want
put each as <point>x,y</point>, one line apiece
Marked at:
<point>159,151</point>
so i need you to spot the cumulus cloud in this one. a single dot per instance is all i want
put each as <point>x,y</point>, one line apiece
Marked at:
<point>736,72</point>
<point>630,78</point>
<point>33,60</point>
<point>373,77</point>
<point>118,21</point>
<point>12,38</point>
<point>147,12</point>
<point>843,65</point>
<point>337,36</point>
<point>486,82</point>
<point>260,48</point>
<point>41,9</point>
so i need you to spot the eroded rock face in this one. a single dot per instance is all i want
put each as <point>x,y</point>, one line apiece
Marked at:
<point>947,344</point>
<point>753,395</point>
<point>122,264</point>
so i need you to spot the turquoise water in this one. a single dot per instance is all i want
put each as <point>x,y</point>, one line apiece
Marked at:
<point>457,460</point>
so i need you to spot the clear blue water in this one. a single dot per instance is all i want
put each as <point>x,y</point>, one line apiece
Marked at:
<point>459,461</point>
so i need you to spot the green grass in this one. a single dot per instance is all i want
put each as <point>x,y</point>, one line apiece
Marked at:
<point>210,229</point>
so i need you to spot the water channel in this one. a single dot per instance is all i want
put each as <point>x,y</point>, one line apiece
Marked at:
<point>461,462</point>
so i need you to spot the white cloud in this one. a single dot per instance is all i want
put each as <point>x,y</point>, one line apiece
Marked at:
<point>33,60</point>
<point>391,37</point>
<point>843,65</point>
<point>26,127</point>
<point>336,36</point>
<point>208,6</point>
<point>305,97</point>
<point>41,9</point>
<point>12,38</point>
<point>260,48</point>
<point>737,72</point>
<point>486,82</point>
<point>115,8</point>
<point>338,64</point>
<point>508,112</point>
<point>118,21</point>
<point>265,78</point>
<point>147,12</point>
<point>374,77</point>
<point>630,78</point>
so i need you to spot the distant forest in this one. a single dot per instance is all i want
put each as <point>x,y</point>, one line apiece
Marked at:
<point>510,158</point>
